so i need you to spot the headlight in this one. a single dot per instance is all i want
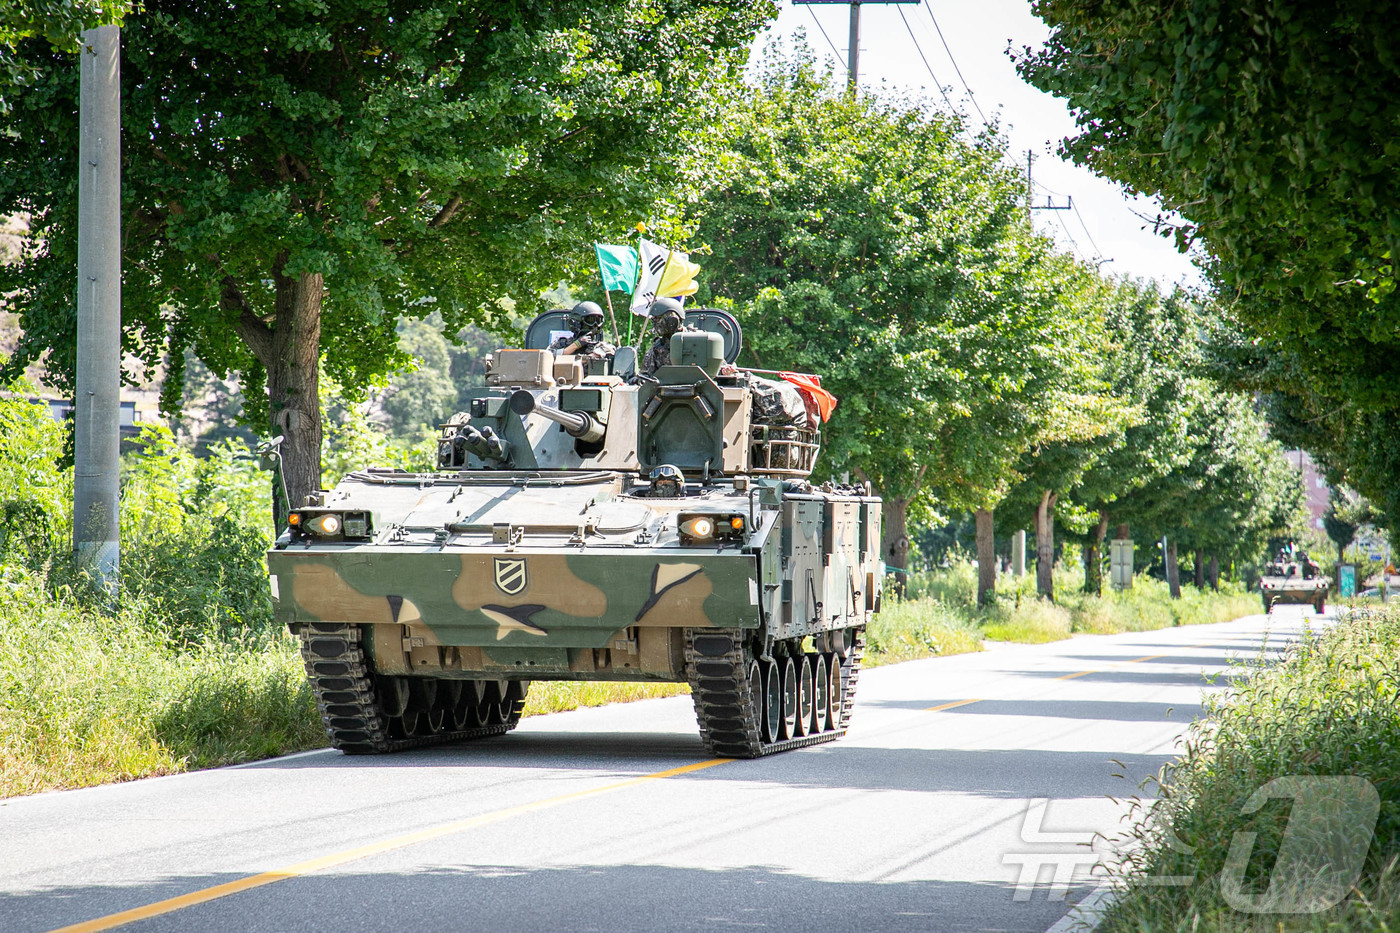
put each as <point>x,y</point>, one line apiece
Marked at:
<point>698,528</point>
<point>703,529</point>
<point>323,524</point>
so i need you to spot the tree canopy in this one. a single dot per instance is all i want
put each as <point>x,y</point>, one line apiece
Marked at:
<point>874,243</point>
<point>298,175</point>
<point>59,23</point>
<point>1270,129</point>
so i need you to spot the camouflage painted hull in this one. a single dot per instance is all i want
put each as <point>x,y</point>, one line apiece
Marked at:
<point>552,545</point>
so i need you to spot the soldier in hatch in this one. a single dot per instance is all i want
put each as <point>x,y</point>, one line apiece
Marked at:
<point>667,317</point>
<point>586,340</point>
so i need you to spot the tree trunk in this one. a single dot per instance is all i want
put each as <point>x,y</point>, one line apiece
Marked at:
<point>1093,557</point>
<point>1213,572</point>
<point>1200,569</point>
<point>986,557</point>
<point>896,544</point>
<point>1123,533</point>
<point>289,349</point>
<point>1173,577</point>
<point>1045,546</point>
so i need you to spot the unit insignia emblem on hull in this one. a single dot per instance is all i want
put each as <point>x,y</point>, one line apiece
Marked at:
<point>510,575</point>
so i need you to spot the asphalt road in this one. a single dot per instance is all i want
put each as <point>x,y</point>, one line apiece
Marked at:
<point>964,786</point>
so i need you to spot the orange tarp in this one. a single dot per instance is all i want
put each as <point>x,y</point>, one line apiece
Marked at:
<point>811,386</point>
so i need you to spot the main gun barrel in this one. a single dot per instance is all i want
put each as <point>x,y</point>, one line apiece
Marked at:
<point>577,424</point>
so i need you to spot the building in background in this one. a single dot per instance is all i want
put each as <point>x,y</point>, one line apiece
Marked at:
<point>1315,489</point>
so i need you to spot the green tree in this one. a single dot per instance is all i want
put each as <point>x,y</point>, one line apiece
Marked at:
<point>1270,128</point>
<point>868,241</point>
<point>421,396</point>
<point>1152,359</point>
<point>1346,512</point>
<point>299,175</point>
<point>1234,492</point>
<point>57,23</point>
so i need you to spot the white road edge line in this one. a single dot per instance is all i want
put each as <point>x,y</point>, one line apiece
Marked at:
<point>266,761</point>
<point>1086,916</point>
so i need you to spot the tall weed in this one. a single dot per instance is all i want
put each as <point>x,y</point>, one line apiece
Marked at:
<point>1330,708</point>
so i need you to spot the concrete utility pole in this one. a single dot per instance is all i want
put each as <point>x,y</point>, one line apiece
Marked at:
<point>97,403</point>
<point>853,46</point>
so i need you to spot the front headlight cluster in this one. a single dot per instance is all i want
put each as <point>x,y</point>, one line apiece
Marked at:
<point>328,525</point>
<point>704,529</point>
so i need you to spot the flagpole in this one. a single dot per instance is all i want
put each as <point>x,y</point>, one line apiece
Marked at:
<point>607,294</point>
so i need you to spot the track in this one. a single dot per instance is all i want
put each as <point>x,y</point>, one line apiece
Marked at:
<point>366,714</point>
<point>749,706</point>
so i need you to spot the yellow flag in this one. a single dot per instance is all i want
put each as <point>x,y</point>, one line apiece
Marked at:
<point>679,278</point>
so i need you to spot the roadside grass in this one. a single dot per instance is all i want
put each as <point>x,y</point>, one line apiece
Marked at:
<point>1328,709</point>
<point>87,698</point>
<point>558,696</point>
<point>939,616</point>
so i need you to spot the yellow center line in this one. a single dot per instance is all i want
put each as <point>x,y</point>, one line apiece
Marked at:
<point>375,848</point>
<point>934,709</point>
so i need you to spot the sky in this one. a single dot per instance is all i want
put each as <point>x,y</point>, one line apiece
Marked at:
<point>1106,225</point>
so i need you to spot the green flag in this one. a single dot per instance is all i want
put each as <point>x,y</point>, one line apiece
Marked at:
<point>618,266</point>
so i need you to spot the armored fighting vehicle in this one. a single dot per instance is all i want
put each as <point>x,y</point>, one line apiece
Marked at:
<point>1293,579</point>
<point>587,522</point>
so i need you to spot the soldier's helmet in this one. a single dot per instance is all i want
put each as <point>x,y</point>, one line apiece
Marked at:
<point>588,315</point>
<point>586,318</point>
<point>667,482</point>
<point>666,316</point>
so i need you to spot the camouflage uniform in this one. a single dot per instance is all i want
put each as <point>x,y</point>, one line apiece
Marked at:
<point>592,346</point>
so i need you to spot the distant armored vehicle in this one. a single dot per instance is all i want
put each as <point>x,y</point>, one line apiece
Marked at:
<point>1293,579</point>
<point>586,522</point>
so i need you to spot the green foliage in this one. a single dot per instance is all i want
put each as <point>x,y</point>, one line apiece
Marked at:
<point>1329,709</point>
<point>1270,129</point>
<point>299,175</point>
<point>1346,512</point>
<point>868,240</point>
<point>422,396</point>
<point>89,697</point>
<point>38,493</point>
<point>57,23</point>
<point>939,613</point>
<point>203,523</point>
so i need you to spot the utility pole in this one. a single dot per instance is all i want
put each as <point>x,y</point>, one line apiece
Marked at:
<point>1049,205</point>
<point>97,402</point>
<point>853,46</point>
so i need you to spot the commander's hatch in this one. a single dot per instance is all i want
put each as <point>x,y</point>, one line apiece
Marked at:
<point>545,327</point>
<point>718,321</point>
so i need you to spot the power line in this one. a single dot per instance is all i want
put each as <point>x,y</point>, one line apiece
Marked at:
<point>839,59</point>
<point>1065,228</point>
<point>1098,252</point>
<point>920,50</point>
<point>1048,190</point>
<point>970,95</point>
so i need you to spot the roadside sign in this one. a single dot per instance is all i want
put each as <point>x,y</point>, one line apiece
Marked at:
<point>1346,583</point>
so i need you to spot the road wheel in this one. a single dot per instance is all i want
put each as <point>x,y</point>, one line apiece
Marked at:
<point>804,695</point>
<point>789,698</point>
<point>821,693</point>
<point>837,691</point>
<point>772,701</point>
